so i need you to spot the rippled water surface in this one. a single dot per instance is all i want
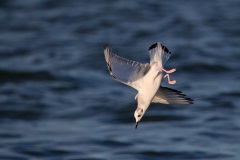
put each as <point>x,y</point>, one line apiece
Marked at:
<point>58,101</point>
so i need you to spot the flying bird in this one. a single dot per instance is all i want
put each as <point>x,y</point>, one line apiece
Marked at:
<point>146,78</point>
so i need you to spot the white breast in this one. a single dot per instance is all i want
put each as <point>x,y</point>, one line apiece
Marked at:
<point>149,86</point>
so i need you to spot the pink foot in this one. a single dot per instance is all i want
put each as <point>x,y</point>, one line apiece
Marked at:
<point>172,82</point>
<point>169,71</point>
<point>169,81</point>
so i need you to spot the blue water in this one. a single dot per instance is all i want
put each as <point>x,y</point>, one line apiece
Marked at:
<point>58,101</point>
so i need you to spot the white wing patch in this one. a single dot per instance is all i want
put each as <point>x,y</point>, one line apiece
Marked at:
<point>123,70</point>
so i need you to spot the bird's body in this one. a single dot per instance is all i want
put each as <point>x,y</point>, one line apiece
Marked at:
<point>150,84</point>
<point>146,78</point>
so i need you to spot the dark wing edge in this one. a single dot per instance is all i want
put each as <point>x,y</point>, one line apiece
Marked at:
<point>167,95</point>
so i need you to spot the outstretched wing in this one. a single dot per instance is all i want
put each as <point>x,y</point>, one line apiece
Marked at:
<point>166,95</point>
<point>125,71</point>
<point>159,53</point>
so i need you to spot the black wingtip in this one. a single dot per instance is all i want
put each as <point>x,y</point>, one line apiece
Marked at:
<point>105,46</point>
<point>152,46</point>
<point>165,49</point>
<point>190,100</point>
<point>180,95</point>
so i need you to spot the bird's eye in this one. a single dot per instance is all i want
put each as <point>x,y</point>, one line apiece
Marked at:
<point>139,115</point>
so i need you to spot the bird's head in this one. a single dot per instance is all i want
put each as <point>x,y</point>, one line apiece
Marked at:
<point>138,114</point>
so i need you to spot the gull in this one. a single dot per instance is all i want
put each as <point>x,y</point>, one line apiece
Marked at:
<point>146,78</point>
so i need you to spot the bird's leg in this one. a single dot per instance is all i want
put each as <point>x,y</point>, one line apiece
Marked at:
<point>168,71</point>
<point>168,76</point>
<point>169,81</point>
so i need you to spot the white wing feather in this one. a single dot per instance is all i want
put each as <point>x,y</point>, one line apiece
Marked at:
<point>125,71</point>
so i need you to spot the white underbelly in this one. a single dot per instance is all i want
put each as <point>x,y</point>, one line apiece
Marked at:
<point>149,88</point>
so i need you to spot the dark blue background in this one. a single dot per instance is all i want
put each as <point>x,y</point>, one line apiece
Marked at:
<point>58,101</point>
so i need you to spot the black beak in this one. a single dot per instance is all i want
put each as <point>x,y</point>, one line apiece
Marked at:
<point>136,125</point>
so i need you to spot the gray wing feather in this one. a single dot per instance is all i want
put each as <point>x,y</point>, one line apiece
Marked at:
<point>166,95</point>
<point>124,70</point>
<point>159,53</point>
